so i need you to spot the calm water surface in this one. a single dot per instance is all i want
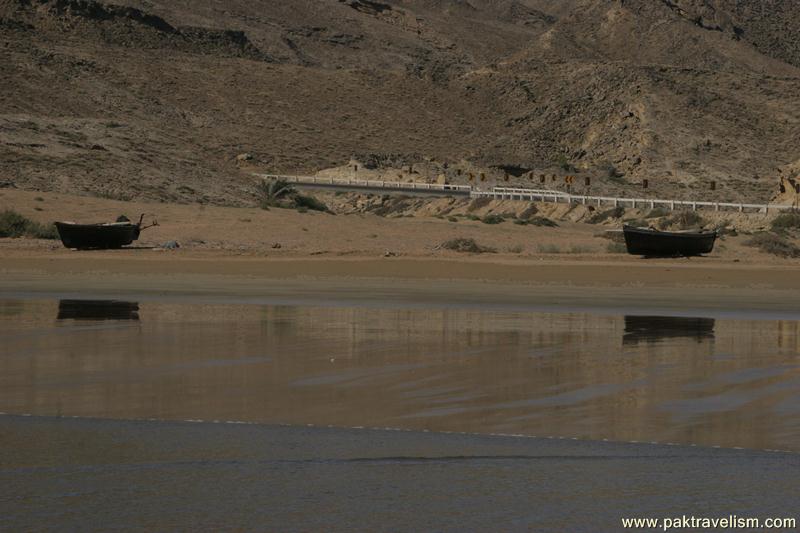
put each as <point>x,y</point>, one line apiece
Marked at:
<point>60,474</point>
<point>691,380</point>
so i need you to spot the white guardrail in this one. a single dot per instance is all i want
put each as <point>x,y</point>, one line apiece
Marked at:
<point>531,195</point>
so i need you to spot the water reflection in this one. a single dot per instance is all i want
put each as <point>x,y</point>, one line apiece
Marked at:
<point>97,310</point>
<point>717,382</point>
<point>658,328</point>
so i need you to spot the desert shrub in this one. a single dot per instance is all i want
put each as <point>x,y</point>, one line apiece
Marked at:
<point>579,249</point>
<point>657,212</point>
<point>309,202</point>
<point>478,203</point>
<point>516,249</point>
<point>542,221</point>
<point>564,164</point>
<point>473,217</point>
<point>615,212</point>
<point>520,222</point>
<point>725,227</point>
<point>684,220</point>
<point>616,248</point>
<point>774,244</point>
<point>641,223</point>
<point>462,244</point>
<point>786,221</point>
<point>452,219</point>
<point>492,219</point>
<point>548,249</point>
<point>528,212</point>
<point>612,235</point>
<point>12,224</point>
<point>610,171</point>
<point>42,231</point>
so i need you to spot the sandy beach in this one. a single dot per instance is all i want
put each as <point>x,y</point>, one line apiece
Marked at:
<point>282,254</point>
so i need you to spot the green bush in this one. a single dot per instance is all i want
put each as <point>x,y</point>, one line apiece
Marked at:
<point>564,163</point>
<point>725,227</point>
<point>542,221</point>
<point>492,219</point>
<point>684,220</point>
<point>12,224</point>
<point>773,244</point>
<point>611,172</point>
<point>528,212</point>
<point>548,249</point>
<point>642,223</point>
<point>786,221</point>
<point>309,202</point>
<point>657,212</point>
<point>616,248</point>
<point>462,244</point>
<point>579,249</point>
<point>616,212</point>
<point>42,231</point>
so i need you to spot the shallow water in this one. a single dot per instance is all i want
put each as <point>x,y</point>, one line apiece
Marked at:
<point>97,475</point>
<point>693,380</point>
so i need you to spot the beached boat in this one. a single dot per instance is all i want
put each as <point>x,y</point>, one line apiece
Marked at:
<point>654,243</point>
<point>100,236</point>
<point>660,328</point>
<point>97,310</point>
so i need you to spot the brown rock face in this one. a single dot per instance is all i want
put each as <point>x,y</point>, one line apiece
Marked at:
<point>155,99</point>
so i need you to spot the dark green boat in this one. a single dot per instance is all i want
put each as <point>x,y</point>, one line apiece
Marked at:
<point>100,236</point>
<point>655,243</point>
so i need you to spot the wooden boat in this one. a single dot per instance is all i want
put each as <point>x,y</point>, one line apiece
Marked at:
<point>654,243</point>
<point>100,236</point>
<point>97,310</point>
<point>661,328</point>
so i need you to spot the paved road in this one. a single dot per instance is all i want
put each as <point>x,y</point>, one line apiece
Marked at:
<point>379,190</point>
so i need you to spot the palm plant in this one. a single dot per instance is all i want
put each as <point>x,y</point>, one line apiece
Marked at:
<point>271,192</point>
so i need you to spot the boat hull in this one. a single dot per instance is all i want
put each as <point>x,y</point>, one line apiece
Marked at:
<point>97,310</point>
<point>652,243</point>
<point>96,236</point>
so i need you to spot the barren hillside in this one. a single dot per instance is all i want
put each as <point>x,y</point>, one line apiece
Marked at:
<point>156,98</point>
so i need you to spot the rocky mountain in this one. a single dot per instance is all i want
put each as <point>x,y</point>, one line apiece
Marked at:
<point>156,98</point>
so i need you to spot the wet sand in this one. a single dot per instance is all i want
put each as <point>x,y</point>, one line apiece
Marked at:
<point>671,286</point>
<point>92,475</point>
